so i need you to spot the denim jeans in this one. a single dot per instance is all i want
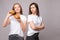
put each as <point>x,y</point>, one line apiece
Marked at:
<point>15,37</point>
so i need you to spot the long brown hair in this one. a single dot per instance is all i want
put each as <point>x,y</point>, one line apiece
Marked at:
<point>19,6</point>
<point>37,9</point>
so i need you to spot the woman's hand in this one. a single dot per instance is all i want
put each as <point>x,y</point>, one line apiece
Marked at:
<point>19,20</point>
<point>8,15</point>
<point>17,16</point>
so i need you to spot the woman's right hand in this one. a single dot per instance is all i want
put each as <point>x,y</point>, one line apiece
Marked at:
<point>8,15</point>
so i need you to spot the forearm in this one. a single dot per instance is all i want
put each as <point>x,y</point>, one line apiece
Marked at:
<point>23,26</point>
<point>40,27</point>
<point>36,28</point>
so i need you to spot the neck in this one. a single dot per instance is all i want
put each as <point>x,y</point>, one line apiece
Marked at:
<point>33,13</point>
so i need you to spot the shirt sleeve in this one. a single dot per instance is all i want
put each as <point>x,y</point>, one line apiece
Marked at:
<point>40,18</point>
<point>29,19</point>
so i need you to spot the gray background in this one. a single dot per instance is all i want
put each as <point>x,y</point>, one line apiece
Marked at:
<point>49,10</point>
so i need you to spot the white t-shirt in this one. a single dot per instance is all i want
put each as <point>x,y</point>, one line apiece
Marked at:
<point>37,21</point>
<point>15,27</point>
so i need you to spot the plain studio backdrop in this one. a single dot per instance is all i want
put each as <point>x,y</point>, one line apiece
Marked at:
<point>49,10</point>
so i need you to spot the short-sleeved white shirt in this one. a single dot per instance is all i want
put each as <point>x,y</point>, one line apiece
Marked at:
<point>37,21</point>
<point>15,27</point>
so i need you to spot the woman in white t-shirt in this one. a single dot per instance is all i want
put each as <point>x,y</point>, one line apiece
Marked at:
<point>35,23</point>
<point>17,22</point>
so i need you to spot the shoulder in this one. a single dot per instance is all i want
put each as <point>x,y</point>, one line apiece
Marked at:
<point>10,17</point>
<point>23,17</point>
<point>29,16</point>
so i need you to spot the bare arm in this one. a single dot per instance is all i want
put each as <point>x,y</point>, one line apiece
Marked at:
<point>42,26</point>
<point>23,24</point>
<point>36,27</point>
<point>6,21</point>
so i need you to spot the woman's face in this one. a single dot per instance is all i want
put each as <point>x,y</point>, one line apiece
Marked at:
<point>33,9</point>
<point>17,8</point>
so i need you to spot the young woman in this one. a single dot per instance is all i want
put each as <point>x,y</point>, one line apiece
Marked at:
<point>17,22</point>
<point>35,23</point>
